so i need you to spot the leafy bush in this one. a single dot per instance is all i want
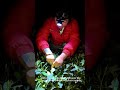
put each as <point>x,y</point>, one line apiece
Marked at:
<point>69,76</point>
<point>104,76</point>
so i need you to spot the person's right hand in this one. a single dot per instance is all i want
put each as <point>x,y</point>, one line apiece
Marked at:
<point>50,59</point>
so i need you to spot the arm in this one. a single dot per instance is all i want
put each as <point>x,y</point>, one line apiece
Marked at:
<point>42,41</point>
<point>42,36</point>
<point>70,48</point>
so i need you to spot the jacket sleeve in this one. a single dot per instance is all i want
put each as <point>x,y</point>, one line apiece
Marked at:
<point>42,36</point>
<point>74,40</point>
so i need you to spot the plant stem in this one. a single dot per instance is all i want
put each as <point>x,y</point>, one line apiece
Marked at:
<point>101,82</point>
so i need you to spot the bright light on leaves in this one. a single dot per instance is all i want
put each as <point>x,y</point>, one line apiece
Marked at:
<point>66,76</point>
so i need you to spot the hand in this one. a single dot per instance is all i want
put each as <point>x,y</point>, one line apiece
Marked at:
<point>50,59</point>
<point>59,60</point>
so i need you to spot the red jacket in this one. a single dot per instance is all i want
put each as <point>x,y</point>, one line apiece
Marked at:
<point>96,34</point>
<point>70,36</point>
<point>18,27</point>
<point>20,18</point>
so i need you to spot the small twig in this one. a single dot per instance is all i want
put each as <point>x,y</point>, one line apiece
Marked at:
<point>103,77</point>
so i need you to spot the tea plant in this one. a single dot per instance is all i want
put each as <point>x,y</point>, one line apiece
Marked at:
<point>69,76</point>
<point>104,77</point>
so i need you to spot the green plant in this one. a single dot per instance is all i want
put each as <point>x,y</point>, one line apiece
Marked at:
<point>9,85</point>
<point>69,76</point>
<point>104,77</point>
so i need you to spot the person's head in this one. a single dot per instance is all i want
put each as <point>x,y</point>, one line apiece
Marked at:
<point>62,18</point>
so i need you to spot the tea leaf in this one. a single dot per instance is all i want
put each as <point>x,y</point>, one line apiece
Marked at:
<point>60,84</point>
<point>52,70</point>
<point>38,71</point>
<point>39,88</point>
<point>83,62</point>
<point>44,73</point>
<point>7,85</point>
<point>114,84</point>
<point>74,69</point>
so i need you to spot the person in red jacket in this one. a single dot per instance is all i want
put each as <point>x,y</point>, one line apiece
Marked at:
<point>60,31</point>
<point>17,31</point>
<point>96,34</point>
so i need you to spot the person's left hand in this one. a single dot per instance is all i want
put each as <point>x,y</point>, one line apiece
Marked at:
<point>59,60</point>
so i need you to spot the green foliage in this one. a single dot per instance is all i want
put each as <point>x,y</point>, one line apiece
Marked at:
<point>114,84</point>
<point>0,87</point>
<point>69,76</point>
<point>104,78</point>
<point>9,85</point>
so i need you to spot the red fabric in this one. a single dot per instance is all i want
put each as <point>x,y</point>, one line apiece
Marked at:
<point>70,36</point>
<point>18,26</point>
<point>19,45</point>
<point>96,33</point>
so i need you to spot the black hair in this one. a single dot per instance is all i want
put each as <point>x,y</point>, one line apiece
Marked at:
<point>63,14</point>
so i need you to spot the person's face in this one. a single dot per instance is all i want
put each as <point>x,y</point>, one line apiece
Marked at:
<point>64,23</point>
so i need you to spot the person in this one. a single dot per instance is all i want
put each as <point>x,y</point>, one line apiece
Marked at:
<point>60,32</point>
<point>17,29</point>
<point>96,34</point>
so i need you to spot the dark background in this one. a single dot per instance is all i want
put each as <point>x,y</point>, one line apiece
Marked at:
<point>113,17</point>
<point>113,27</point>
<point>44,8</point>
